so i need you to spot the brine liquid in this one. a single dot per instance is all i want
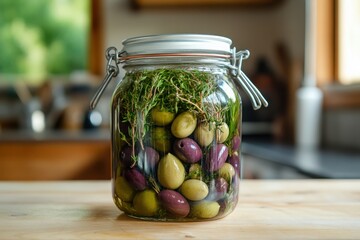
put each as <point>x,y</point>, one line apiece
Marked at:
<point>176,163</point>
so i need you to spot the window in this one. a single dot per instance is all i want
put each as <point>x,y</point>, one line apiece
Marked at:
<point>338,52</point>
<point>42,38</point>
<point>349,41</point>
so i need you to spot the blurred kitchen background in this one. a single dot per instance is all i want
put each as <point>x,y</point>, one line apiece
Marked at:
<point>305,58</point>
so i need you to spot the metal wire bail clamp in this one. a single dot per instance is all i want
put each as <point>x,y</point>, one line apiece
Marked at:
<point>256,98</point>
<point>112,70</point>
<point>114,58</point>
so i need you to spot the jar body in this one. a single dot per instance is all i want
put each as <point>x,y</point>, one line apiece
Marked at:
<point>176,133</point>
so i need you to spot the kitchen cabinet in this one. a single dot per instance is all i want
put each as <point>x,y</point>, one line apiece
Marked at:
<point>191,3</point>
<point>54,156</point>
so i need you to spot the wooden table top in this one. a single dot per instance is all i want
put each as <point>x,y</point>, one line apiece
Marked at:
<point>267,209</point>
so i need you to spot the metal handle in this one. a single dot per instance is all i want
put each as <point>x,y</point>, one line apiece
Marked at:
<point>256,98</point>
<point>112,70</point>
<point>109,75</point>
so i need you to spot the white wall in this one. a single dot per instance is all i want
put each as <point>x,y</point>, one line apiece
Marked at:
<point>256,29</point>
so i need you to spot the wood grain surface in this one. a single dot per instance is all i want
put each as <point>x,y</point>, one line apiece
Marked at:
<point>276,209</point>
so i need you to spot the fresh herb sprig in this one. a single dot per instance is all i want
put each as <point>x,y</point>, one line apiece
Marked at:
<point>173,90</point>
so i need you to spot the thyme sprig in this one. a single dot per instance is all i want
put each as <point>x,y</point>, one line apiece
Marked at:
<point>173,90</point>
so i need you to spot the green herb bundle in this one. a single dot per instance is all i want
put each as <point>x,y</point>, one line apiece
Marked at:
<point>173,90</point>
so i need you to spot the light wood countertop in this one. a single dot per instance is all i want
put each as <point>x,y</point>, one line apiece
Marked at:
<point>276,209</point>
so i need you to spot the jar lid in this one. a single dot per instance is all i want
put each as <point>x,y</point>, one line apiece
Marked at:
<point>177,43</point>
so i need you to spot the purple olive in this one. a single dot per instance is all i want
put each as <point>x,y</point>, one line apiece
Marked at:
<point>224,207</point>
<point>221,186</point>
<point>126,156</point>
<point>216,157</point>
<point>236,141</point>
<point>174,203</point>
<point>135,179</point>
<point>187,150</point>
<point>148,159</point>
<point>218,189</point>
<point>234,160</point>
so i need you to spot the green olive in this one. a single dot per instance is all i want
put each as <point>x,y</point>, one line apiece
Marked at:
<point>183,125</point>
<point>126,207</point>
<point>222,133</point>
<point>205,209</point>
<point>145,203</point>
<point>195,171</point>
<point>161,118</point>
<point>161,139</point>
<point>171,172</point>
<point>123,189</point>
<point>204,134</point>
<point>119,170</point>
<point>227,171</point>
<point>194,189</point>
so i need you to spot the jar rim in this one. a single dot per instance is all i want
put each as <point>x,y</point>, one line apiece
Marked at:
<point>177,44</point>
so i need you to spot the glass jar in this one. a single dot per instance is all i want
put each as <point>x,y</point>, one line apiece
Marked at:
<point>176,127</point>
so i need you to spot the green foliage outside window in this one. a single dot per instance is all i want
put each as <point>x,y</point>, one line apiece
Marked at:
<point>39,38</point>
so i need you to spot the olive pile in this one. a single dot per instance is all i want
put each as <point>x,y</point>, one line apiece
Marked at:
<point>185,169</point>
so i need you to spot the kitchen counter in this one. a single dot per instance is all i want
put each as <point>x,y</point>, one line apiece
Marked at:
<point>267,209</point>
<point>315,163</point>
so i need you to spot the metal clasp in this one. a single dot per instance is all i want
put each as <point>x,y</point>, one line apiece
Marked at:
<point>257,99</point>
<point>112,70</point>
<point>114,59</point>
